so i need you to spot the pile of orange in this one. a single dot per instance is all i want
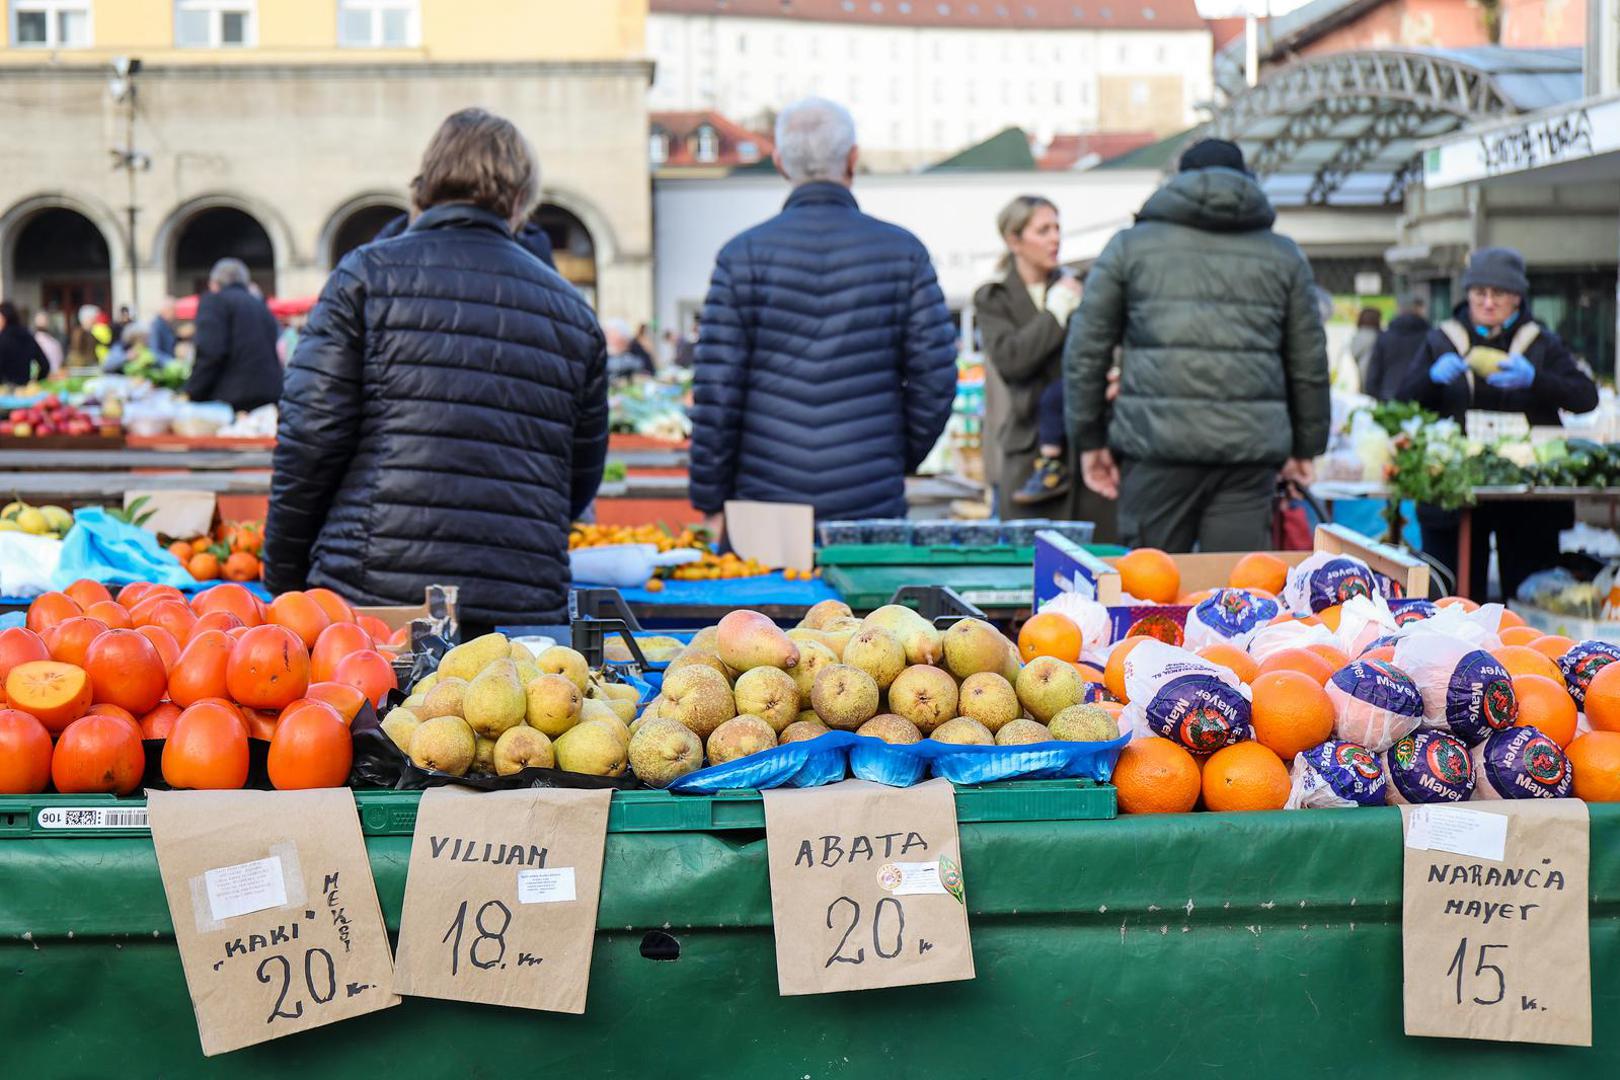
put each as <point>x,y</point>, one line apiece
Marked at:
<point>232,553</point>
<point>90,676</point>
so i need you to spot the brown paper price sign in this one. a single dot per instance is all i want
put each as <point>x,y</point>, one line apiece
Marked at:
<point>866,887</point>
<point>500,901</point>
<point>274,910</point>
<point>1494,922</point>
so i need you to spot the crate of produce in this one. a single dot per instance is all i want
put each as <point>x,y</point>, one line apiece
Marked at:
<point>991,576</point>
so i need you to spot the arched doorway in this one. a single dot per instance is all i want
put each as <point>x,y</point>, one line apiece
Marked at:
<point>220,232</point>
<point>360,226</point>
<point>59,261</point>
<point>572,246</point>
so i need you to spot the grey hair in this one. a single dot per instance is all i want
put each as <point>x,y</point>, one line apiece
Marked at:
<point>88,313</point>
<point>134,334</point>
<point>813,140</point>
<point>229,272</point>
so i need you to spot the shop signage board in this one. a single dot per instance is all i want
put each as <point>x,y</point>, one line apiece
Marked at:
<point>1580,131</point>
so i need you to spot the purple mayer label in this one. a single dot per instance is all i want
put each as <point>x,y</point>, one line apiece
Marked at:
<point>1350,769</point>
<point>1091,693</point>
<point>1338,580</point>
<point>1230,612</point>
<point>1414,611</point>
<point>1480,698</point>
<point>1430,767</point>
<point>1522,763</point>
<point>1381,685</point>
<point>1582,663</point>
<point>1200,712</point>
<point>1388,639</point>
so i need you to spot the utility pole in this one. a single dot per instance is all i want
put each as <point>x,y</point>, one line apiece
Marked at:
<point>131,160</point>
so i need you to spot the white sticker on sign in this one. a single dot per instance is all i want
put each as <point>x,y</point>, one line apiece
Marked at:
<point>551,886</point>
<point>911,878</point>
<point>245,888</point>
<point>1474,833</point>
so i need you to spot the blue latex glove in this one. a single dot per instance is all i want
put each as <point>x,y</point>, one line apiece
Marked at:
<point>1516,373</point>
<point>1448,369</point>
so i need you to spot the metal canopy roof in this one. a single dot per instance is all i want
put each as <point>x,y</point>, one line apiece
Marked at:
<point>1343,129</point>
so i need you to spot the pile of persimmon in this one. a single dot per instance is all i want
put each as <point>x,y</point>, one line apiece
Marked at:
<point>90,676</point>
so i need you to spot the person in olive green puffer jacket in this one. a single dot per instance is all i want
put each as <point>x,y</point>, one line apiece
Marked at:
<point>1224,375</point>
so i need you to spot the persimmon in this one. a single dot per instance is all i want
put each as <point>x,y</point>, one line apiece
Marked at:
<point>156,724</point>
<point>70,639</point>
<point>25,754</point>
<point>50,608</point>
<point>131,594</point>
<point>173,616</point>
<point>336,641</point>
<point>374,626</point>
<point>98,754</point>
<point>163,641</point>
<point>268,669</point>
<point>216,620</point>
<point>370,672</point>
<point>261,723</point>
<point>200,671</point>
<point>107,709</point>
<point>18,646</point>
<point>53,693</point>
<point>126,670</point>
<point>311,747</point>
<point>347,700</point>
<point>235,633</point>
<point>243,567</point>
<point>337,609</point>
<point>207,749</point>
<point>300,614</point>
<point>110,612</point>
<point>86,592</point>
<point>233,599</point>
<point>401,637</point>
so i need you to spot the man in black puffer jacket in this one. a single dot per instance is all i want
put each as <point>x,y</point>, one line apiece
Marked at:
<point>445,416</point>
<point>234,338</point>
<point>826,363</point>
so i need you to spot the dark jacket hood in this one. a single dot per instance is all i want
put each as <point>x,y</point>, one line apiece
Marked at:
<point>1408,322</point>
<point>1214,200</point>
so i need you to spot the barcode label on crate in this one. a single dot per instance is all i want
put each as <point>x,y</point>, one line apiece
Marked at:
<point>997,597</point>
<point>93,817</point>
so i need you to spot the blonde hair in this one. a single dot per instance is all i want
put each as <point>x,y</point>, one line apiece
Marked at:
<point>1015,218</point>
<point>479,158</point>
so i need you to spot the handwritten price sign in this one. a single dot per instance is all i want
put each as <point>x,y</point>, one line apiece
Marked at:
<point>1494,922</point>
<point>274,911</point>
<point>500,901</point>
<point>866,887</point>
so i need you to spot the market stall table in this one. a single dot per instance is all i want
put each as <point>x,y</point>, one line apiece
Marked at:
<point>698,603</point>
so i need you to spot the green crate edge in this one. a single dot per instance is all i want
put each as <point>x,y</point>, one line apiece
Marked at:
<point>868,598</point>
<point>916,555</point>
<point>393,813</point>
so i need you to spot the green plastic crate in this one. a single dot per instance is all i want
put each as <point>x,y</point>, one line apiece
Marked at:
<point>393,813</point>
<point>915,555</point>
<point>1000,577</point>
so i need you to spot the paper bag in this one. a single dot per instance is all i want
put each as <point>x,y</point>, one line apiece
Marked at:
<point>866,887</point>
<point>500,901</point>
<point>274,910</point>
<point>778,535</point>
<point>180,514</point>
<point>1494,922</point>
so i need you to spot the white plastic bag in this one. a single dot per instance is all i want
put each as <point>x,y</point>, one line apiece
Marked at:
<point>1229,617</point>
<point>1336,774</point>
<point>1374,704</point>
<point>1096,627</point>
<point>1326,580</point>
<point>1288,635</point>
<point>624,566</point>
<point>1466,692</point>
<point>1363,620</point>
<point>27,563</point>
<point>1184,698</point>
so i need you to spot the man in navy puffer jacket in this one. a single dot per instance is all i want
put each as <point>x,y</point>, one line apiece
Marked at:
<point>826,364</point>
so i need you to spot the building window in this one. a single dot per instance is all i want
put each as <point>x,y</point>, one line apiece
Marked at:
<point>708,144</point>
<point>50,24</point>
<point>658,147</point>
<point>379,24</point>
<point>214,24</point>
<point>748,151</point>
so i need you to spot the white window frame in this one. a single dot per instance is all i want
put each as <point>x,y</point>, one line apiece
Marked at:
<point>375,8</point>
<point>658,147</point>
<point>707,150</point>
<point>52,10</point>
<point>216,11</point>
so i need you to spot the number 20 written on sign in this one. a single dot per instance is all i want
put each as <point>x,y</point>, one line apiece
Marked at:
<point>846,910</point>
<point>313,958</point>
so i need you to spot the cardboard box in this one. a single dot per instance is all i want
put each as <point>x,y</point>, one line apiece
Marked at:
<point>438,603</point>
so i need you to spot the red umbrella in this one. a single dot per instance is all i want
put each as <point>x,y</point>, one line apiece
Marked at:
<point>185,307</point>
<point>285,309</point>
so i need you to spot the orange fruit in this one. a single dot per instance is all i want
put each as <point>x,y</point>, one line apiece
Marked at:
<point>201,544</point>
<point>1233,659</point>
<point>207,748</point>
<point>1088,672</point>
<point>204,566</point>
<point>200,671</point>
<point>85,592</point>
<point>50,608</point>
<point>347,700</point>
<point>1603,699</point>
<point>1113,708</point>
<point>127,670</point>
<point>1149,574</point>
<point>19,645</point>
<point>1291,712</point>
<point>229,598</point>
<point>1519,635</point>
<point>215,620</point>
<point>311,747</point>
<point>1289,616</point>
<point>379,630</point>
<point>1114,672</point>
<point>1331,655</point>
<point>1383,652</point>
<point>53,693</point>
<point>1330,616</point>
<point>110,613</point>
<point>1259,571</point>
<point>1457,601</point>
<point>164,642</point>
<point>1156,776</point>
<point>300,614</point>
<point>1523,660</point>
<point>337,609</point>
<point>268,668</point>
<point>98,754</point>
<point>1510,619</point>
<point>1303,660</point>
<point>157,723</point>
<point>1048,634</point>
<point>1595,757</point>
<point>181,550</point>
<point>1195,598</point>
<point>242,567</point>
<point>25,754</point>
<point>369,672</point>
<point>69,639</point>
<point>1552,646</point>
<point>1545,705</point>
<point>1245,776</point>
<point>336,642</point>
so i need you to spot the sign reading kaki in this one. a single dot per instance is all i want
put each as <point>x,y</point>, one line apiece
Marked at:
<point>866,887</point>
<point>500,901</point>
<point>274,911</point>
<point>1494,921</point>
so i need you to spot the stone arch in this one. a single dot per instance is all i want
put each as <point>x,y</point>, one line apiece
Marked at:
<point>167,240</point>
<point>333,243</point>
<point>596,223</point>
<point>16,220</point>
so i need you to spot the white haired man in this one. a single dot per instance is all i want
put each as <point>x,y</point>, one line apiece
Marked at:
<point>826,362</point>
<point>235,342</point>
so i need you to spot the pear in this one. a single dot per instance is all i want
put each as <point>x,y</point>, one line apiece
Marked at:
<point>522,748</point>
<point>694,656</point>
<point>494,701</point>
<point>698,697</point>
<point>924,695</point>
<point>802,731</point>
<point>807,716</point>
<point>620,691</point>
<point>1084,723</point>
<point>444,744</point>
<point>813,656</point>
<point>1046,686</point>
<point>844,697</point>
<point>659,649</point>
<point>746,639</point>
<point>624,710</point>
<point>836,634</point>
<point>561,660</point>
<point>825,612</point>
<point>592,748</point>
<point>706,639</point>
<point>891,729</point>
<point>1010,667</point>
<point>770,694</point>
<point>415,701</point>
<point>989,699</point>
<point>663,751</point>
<point>552,704</point>
<point>739,737</point>
<point>598,712</point>
<point>799,635</point>
<point>528,671</point>
<point>878,653</point>
<point>466,660</point>
<point>972,646</point>
<point>1021,732</point>
<point>446,698</point>
<point>650,710</point>
<point>964,732</point>
<point>520,651</point>
<point>426,683</point>
<point>915,633</point>
<point>398,726</point>
<point>483,756</point>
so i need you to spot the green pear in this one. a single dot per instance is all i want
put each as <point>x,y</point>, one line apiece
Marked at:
<point>963,731</point>
<point>927,696</point>
<point>698,697</point>
<point>770,694</point>
<point>663,751</point>
<point>878,653</point>
<point>592,748</point>
<point>447,698</point>
<point>826,611</point>
<point>1022,732</point>
<point>399,724</point>
<point>915,633</point>
<point>425,683</point>
<point>1084,723</point>
<point>844,697</point>
<point>444,744</point>
<point>522,748</point>
<point>802,730</point>
<point>561,660</point>
<point>494,701</point>
<point>483,756</point>
<point>891,729</point>
<point>552,704</point>
<point>989,699</point>
<point>739,737</point>
<point>466,660</point>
